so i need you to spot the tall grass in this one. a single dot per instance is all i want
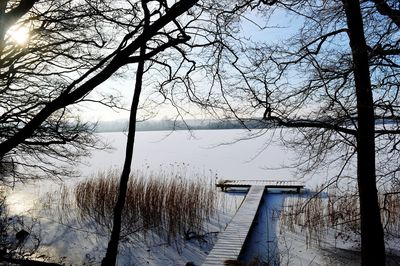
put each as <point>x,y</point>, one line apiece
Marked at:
<point>316,215</point>
<point>169,205</point>
<point>390,204</point>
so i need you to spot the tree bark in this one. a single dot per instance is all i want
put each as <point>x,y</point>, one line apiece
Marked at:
<point>112,249</point>
<point>372,236</point>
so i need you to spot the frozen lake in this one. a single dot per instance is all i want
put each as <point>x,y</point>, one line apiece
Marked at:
<point>226,154</point>
<point>222,154</point>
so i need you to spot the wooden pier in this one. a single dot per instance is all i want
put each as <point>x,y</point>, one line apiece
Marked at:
<point>231,241</point>
<point>278,184</point>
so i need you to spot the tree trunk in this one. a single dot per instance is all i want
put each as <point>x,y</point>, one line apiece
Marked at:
<point>372,237</point>
<point>112,249</point>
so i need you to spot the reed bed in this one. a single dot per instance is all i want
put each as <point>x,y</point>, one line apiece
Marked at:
<point>316,216</point>
<point>390,204</point>
<point>169,205</point>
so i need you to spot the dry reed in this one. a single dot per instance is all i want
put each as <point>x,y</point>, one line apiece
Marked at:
<point>315,215</point>
<point>172,207</point>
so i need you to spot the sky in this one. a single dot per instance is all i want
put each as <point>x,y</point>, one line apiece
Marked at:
<point>280,25</point>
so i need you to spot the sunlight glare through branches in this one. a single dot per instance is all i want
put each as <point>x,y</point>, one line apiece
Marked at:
<point>19,35</point>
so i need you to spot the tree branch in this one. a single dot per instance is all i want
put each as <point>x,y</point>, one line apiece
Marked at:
<point>67,98</point>
<point>385,10</point>
<point>13,15</point>
<point>311,124</point>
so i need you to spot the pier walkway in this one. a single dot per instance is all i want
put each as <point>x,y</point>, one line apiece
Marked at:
<point>231,241</point>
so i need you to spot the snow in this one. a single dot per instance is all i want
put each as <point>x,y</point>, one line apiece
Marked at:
<point>215,151</point>
<point>68,241</point>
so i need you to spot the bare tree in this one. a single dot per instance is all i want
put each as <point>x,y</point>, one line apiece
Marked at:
<point>73,47</point>
<point>168,38</point>
<point>337,95</point>
<point>334,82</point>
<point>59,44</point>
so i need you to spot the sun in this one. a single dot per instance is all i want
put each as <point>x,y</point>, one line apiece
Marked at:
<point>19,35</point>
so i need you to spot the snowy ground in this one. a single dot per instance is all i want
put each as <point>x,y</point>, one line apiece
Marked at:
<point>270,241</point>
<point>64,239</point>
<point>68,241</point>
<point>74,244</point>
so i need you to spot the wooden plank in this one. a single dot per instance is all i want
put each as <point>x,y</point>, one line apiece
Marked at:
<point>230,242</point>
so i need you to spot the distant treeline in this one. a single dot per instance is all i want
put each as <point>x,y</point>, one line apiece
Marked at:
<point>193,124</point>
<point>156,125</point>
